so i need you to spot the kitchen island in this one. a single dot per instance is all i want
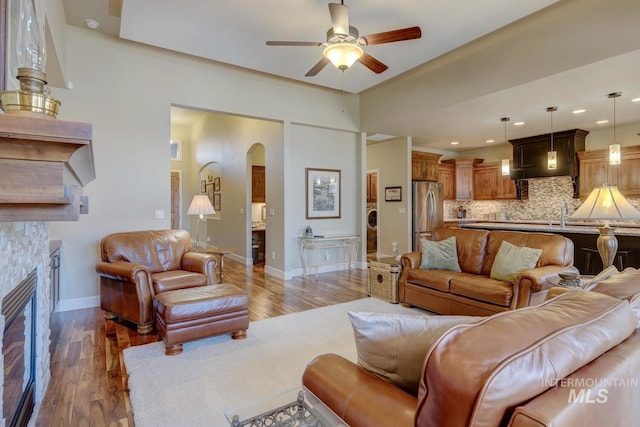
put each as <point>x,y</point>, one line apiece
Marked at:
<point>583,235</point>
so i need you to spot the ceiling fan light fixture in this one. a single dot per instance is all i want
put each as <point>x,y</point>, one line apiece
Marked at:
<point>343,55</point>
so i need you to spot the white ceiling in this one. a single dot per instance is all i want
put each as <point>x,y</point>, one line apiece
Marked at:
<point>235,31</point>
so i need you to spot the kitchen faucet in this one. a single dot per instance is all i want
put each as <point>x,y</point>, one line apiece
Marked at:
<point>563,213</point>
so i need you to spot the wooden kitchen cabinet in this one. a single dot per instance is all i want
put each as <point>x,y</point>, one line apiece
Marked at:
<point>490,184</point>
<point>258,188</point>
<point>595,171</point>
<point>372,187</point>
<point>463,176</point>
<point>447,177</point>
<point>424,166</point>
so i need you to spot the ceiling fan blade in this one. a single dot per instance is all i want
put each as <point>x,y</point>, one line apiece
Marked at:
<point>372,63</point>
<point>393,36</point>
<point>280,43</point>
<point>318,67</point>
<point>339,18</point>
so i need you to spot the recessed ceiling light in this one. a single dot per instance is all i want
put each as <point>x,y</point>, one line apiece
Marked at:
<point>579,111</point>
<point>489,141</point>
<point>454,143</point>
<point>601,122</point>
<point>635,100</point>
<point>518,123</point>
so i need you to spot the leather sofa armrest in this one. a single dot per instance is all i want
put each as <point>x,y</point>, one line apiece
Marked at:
<point>540,278</point>
<point>357,396</point>
<point>197,262</point>
<point>411,260</point>
<point>122,270</point>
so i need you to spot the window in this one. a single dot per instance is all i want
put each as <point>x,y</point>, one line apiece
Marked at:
<point>176,150</point>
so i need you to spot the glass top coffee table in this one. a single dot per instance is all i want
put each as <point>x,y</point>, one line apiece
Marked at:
<point>297,407</point>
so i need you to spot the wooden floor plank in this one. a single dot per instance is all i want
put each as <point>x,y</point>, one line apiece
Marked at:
<point>88,377</point>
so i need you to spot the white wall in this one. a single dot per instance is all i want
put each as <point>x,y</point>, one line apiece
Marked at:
<point>313,147</point>
<point>392,158</point>
<point>125,90</point>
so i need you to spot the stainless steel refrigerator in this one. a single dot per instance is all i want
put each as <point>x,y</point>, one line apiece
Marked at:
<point>427,209</point>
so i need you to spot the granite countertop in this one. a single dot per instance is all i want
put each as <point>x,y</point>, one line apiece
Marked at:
<point>554,227</point>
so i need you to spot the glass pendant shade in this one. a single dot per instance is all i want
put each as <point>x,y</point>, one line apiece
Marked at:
<point>552,160</point>
<point>614,154</point>
<point>552,155</point>
<point>505,162</point>
<point>505,167</point>
<point>30,38</point>
<point>614,149</point>
<point>343,55</point>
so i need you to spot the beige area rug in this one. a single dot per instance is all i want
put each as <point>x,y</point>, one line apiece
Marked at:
<point>218,374</point>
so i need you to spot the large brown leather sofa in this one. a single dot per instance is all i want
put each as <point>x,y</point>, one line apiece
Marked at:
<point>472,291</point>
<point>573,360</point>
<point>137,265</point>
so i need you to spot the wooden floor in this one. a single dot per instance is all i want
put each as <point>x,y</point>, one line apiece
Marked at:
<point>88,377</point>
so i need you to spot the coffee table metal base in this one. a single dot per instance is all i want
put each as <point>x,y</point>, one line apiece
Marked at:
<point>294,408</point>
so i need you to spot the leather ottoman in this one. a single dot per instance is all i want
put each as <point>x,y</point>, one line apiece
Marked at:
<point>184,315</point>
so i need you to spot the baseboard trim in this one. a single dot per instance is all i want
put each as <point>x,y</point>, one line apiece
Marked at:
<point>78,303</point>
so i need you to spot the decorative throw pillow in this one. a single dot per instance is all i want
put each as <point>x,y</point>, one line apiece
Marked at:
<point>393,346</point>
<point>511,260</point>
<point>441,255</point>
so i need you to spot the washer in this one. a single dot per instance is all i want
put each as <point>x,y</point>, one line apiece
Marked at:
<point>372,219</point>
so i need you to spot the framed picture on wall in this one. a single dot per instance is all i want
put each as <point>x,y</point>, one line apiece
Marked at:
<point>323,193</point>
<point>203,186</point>
<point>217,202</point>
<point>216,184</point>
<point>393,194</point>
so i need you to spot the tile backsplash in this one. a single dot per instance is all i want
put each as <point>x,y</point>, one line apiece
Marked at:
<point>545,198</point>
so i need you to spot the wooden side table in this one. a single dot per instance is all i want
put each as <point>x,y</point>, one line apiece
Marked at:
<point>221,252</point>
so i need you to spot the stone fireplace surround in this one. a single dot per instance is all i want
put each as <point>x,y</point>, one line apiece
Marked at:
<point>24,246</point>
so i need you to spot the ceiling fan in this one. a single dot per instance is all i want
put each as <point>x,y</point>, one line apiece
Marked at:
<point>344,44</point>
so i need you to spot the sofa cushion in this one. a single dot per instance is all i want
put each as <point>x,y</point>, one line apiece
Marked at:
<point>442,255</point>
<point>483,288</point>
<point>393,346</point>
<point>624,285</point>
<point>511,260</point>
<point>471,246</point>
<point>556,249</point>
<point>158,250</point>
<point>434,279</point>
<point>528,350</point>
<point>177,279</point>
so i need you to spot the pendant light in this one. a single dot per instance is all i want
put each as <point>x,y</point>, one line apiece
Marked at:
<point>552,155</point>
<point>505,160</point>
<point>614,149</point>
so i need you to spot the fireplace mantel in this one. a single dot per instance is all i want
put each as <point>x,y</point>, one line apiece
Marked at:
<point>44,164</point>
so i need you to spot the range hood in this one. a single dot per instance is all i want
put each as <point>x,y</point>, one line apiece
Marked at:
<point>530,156</point>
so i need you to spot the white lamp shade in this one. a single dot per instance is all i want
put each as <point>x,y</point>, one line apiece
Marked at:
<point>343,55</point>
<point>606,203</point>
<point>201,205</point>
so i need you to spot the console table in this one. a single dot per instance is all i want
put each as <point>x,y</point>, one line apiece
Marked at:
<point>349,242</point>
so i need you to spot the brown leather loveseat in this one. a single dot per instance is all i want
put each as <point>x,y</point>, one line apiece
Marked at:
<point>572,361</point>
<point>137,265</point>
<point>472,291</point>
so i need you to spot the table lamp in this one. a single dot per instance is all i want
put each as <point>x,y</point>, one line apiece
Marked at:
<point>201,206</point>
<point>606,203</point>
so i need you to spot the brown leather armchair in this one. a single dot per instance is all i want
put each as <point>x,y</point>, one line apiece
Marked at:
<point>137,265</point>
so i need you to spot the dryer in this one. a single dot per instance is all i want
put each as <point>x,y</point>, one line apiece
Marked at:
<point>372,228</point>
